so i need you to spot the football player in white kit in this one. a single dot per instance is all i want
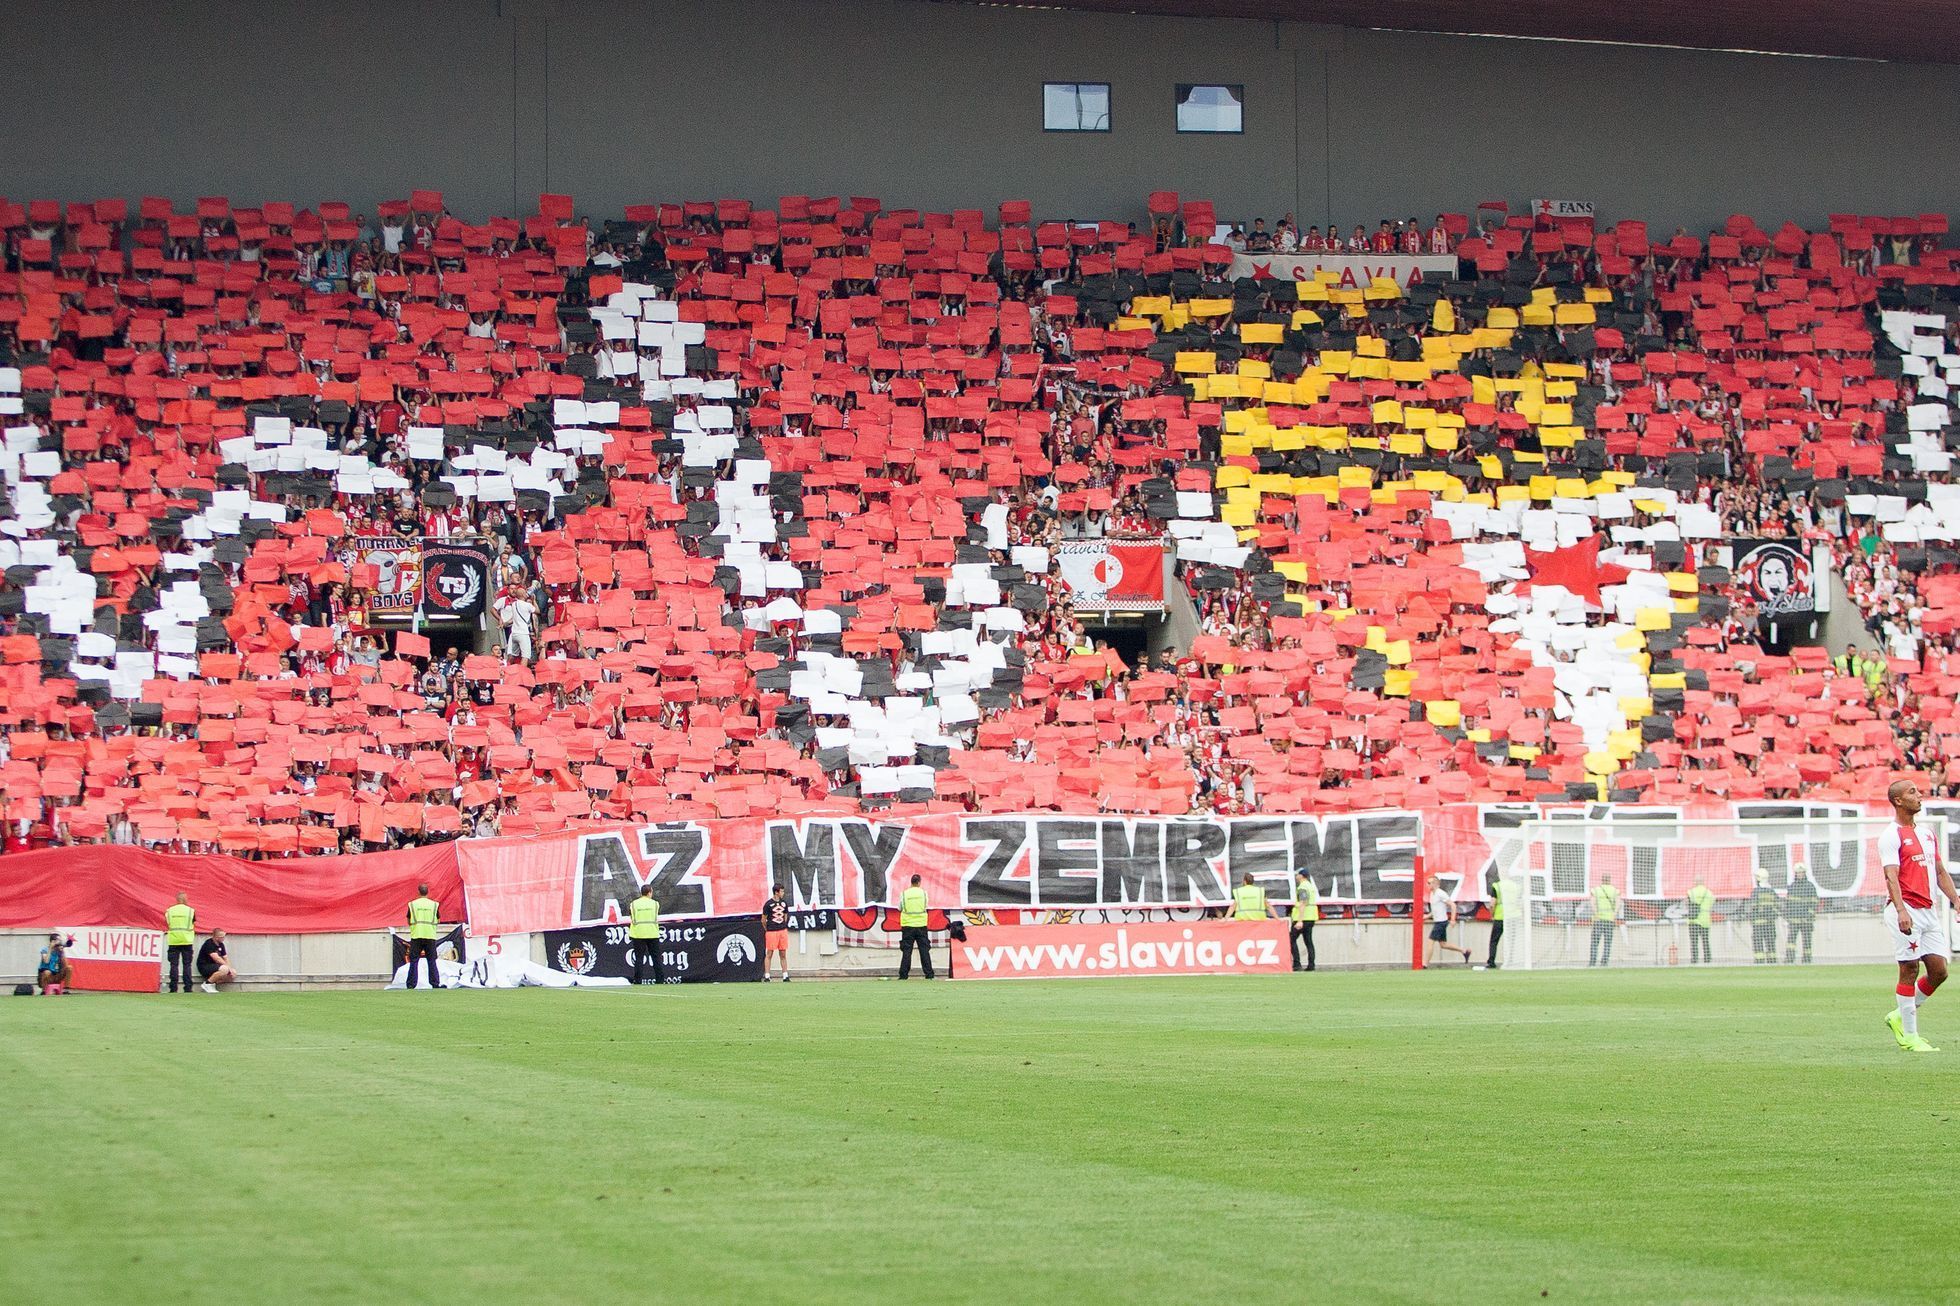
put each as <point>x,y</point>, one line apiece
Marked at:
<point>1917,923</point>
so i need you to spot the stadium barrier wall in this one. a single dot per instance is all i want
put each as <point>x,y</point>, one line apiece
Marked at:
<point>360,960</point>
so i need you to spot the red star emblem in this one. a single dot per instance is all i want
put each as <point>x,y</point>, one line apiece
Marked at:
<point>1263,272</point>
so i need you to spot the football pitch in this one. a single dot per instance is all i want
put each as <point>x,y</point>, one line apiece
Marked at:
<point>1718,1136</point>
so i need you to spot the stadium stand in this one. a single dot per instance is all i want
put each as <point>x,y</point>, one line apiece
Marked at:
<point>770,499</point>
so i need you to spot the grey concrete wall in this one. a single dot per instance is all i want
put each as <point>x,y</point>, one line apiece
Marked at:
<point>932,105</point>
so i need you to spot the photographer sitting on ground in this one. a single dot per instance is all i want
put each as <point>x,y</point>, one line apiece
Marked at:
<point>53,974</point>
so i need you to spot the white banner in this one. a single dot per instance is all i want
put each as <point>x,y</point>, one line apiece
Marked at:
<point>1562,208</point>
<point>104,943</point>
<point>1352,271</point>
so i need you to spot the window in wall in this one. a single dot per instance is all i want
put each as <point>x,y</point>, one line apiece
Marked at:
<point>1075,106</point>
<point>1203,108</point>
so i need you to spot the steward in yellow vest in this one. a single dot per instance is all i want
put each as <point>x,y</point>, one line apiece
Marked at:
<point>912,934</point>
<point>644,931</point>
<point>179,935</point>
<point>424,916</point>
<point>1606,912</point>
<point>1249,901</point>
<point>1304,916</point>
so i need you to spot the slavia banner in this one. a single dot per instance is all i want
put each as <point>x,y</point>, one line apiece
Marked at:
<point>1351,271</point>
<point>1113,573</point>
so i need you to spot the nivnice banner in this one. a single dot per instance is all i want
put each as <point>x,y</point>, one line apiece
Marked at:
<point>1049,861</point>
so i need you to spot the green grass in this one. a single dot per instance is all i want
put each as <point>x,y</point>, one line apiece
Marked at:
<point>1723,1136</point>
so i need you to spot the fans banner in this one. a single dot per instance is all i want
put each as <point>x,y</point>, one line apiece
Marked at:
<point>455,581</point>
<point>1364,861</point>
<point>719,868</point>
<point>1777,575</point>
<point>1351,271</point>
<point>1104,574</point>
<point>723,951</point>
<point>1091,951</point>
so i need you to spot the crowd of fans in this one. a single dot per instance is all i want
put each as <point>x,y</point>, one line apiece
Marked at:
<point>924,393</point>
<point>1398,236</point>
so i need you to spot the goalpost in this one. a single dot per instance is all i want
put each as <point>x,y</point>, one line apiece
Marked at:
<point>1745,876</point>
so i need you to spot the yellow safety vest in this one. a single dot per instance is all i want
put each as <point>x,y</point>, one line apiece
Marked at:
<point>912,908</point>
<point>1306,901</point>
<point>646,919</point>
<point>180,924</point>
<point>1606,903</point>
<point>1703,899</point>
<point>1248,903</point>
<point>1497,896</point>
<point>423,914</point>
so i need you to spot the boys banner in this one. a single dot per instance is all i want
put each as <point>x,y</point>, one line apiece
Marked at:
<point>1050,861</point>
<point>1351,271</point>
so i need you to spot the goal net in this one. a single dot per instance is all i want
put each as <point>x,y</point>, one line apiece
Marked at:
<point>1659,890</point>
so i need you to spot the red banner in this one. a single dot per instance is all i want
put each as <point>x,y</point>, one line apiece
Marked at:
<point>1048,860</point>
<point>1054,861</point>
<point>109,884</point>
<point>1092,951</point>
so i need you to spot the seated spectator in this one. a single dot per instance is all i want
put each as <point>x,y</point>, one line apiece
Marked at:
<point>52,973</point>
<point>214,963</point>
<point>1259,240</point>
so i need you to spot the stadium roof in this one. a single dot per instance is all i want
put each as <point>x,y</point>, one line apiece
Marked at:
<point>1923,31</point>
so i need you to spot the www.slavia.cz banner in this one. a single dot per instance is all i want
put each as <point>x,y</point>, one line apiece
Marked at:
<point>1102,951</point>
